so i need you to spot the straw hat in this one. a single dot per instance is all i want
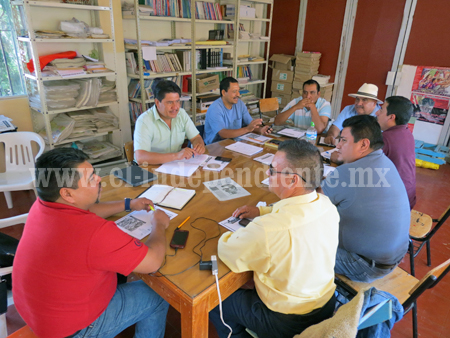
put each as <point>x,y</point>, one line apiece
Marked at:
<point>369,91</point>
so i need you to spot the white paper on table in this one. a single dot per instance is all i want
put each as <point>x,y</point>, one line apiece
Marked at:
<point>266,181</point>
<point>214,165</point>
<point>244,148</point>
<point>265,159</point>
<point>231,223</point>
<point>291,132</point>
<point>327,154</point>
<point>149,53</point>
<point>226,189</point>
<point>252,137</point>
<point>261,204</point>
<point>183,167</point>
<point>137,223</point>
<point>328,169</point>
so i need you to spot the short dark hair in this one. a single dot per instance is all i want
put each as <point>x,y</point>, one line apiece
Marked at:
<point>55,169</point>
<point>365,126</point>
<point>225,83</point>
<point>304,159</point>
<point>162,87</point>
<point>311,82</point>
<point>401,107</point>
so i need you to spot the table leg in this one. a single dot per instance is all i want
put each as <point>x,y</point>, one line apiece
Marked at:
<point>194,320</point>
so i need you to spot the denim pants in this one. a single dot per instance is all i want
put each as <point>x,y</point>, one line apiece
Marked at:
<point>356,268</point>
<point>244,309</point>
<point>133,303</point>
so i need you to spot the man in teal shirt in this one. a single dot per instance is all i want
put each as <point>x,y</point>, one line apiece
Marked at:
<point>160,131</point>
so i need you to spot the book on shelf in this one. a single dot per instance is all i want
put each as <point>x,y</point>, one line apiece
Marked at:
<point>204,10</point>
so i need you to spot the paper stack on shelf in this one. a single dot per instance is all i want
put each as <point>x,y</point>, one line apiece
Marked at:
<point>89,92</point>
<point>99,150</point>
<point>108,92</point>
<point>58,94</point>
<point>61,126</point>
<point>306,66</point>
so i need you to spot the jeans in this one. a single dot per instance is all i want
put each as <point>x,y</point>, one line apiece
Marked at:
<point>244,309</point>
<point>356,268</point>
<point>133,303</point>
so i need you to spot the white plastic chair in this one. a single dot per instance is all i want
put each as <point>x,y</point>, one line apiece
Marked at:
<point>6,222</point>
<point>19,162</point>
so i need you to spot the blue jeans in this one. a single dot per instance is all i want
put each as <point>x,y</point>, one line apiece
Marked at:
<point>356,268</point>
<point>133,303</point>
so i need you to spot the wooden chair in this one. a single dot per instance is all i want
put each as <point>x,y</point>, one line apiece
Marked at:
<point>403,286</point>
<point>421,232</point>
<point>129,151</point>
<point>269,105</point>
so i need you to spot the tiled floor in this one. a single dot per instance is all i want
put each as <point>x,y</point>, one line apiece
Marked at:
<point>433,192</point>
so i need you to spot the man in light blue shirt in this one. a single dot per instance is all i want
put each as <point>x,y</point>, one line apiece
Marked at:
<point>228,117</point>
<point>160,131</point>
<point>366,103</point>
<point>309,107</point>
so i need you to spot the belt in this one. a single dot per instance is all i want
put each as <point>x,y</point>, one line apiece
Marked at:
<point>377,265</point>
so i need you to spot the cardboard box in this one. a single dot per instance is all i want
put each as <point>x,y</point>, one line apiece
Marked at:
<point>297,85</point>
<point>205,83</point>
<point>281,87</point>
<point>283,100</point>
<point>282,75</point>
<point>282,61</point>
<point>247,12</point>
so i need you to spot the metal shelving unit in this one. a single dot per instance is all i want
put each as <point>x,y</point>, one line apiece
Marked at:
<point>25,14</point>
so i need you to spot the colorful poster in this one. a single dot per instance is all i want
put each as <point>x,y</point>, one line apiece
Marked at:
<point>429,108</point>
<point>432,80</point>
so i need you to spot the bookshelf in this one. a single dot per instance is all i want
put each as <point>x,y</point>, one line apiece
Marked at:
<point>32,16</point>
<point>153,28</point>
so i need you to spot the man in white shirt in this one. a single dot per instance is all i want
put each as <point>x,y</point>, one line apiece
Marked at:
<point>309,107</point>
<point>290,247</point>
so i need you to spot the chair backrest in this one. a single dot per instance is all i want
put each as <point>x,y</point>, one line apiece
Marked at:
<point>427,282</point>
<point>18,150</point>
<point>129,150</point>
<point>201,129</point>
<point>267,105</point>
<point>6,222</point>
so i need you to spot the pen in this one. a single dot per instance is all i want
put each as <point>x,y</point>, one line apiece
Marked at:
<point>151,208</point>
<point>184,222</point>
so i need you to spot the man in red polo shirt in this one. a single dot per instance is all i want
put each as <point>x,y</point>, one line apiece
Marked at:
<point>66,264</point>
<point>398,141</point>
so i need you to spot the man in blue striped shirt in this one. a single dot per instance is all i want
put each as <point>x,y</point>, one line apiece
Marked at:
<point>306,108</point>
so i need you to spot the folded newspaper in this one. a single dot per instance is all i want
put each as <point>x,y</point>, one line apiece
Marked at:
<point>226,189</point>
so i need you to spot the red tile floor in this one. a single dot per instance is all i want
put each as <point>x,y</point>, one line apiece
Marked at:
<point>433,197</point>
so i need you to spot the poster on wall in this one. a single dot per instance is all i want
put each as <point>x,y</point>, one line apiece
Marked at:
<point>432,80</point>
<point>430,109</point>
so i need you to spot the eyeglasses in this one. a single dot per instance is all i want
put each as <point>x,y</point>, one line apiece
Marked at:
<point>171,103</point>
<point>272,171</point>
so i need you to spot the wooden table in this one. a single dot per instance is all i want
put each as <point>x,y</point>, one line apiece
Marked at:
<point>193,292</point>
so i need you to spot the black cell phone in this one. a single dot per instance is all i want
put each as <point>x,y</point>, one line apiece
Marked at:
<point>277,142</point>
<point>223,159</point>
<point>244,222</point>
<point>179,239</point>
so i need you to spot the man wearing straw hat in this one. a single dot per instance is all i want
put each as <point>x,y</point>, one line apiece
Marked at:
<point>366,103</point>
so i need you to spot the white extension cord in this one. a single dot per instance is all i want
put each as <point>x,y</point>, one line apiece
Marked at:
<point>215,271</point>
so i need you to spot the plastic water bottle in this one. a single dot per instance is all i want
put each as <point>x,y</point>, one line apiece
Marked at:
<point>311,134</point>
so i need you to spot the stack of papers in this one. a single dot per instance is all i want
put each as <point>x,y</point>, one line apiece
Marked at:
<point>265,159</point>
<point>137,223</point>
<point>291,132</point>
<point>183,167</point>
<point>244,148</point>
<point>97,149</point>
<point>6,124</point>
<point>226,189</point>
<point>61,126</point>
<point>231,223</point>
<point>252,137</point>
<point>214,165</point>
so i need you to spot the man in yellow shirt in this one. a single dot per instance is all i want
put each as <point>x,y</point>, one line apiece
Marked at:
<point>290,247</point>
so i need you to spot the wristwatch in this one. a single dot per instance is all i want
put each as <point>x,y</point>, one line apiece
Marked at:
<point>127,204</point>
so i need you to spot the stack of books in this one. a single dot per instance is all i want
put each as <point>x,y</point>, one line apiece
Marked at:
<point>306,66</point>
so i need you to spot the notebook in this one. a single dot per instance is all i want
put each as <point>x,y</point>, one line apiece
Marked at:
<point>167,196</point>
<point>135,175</point>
